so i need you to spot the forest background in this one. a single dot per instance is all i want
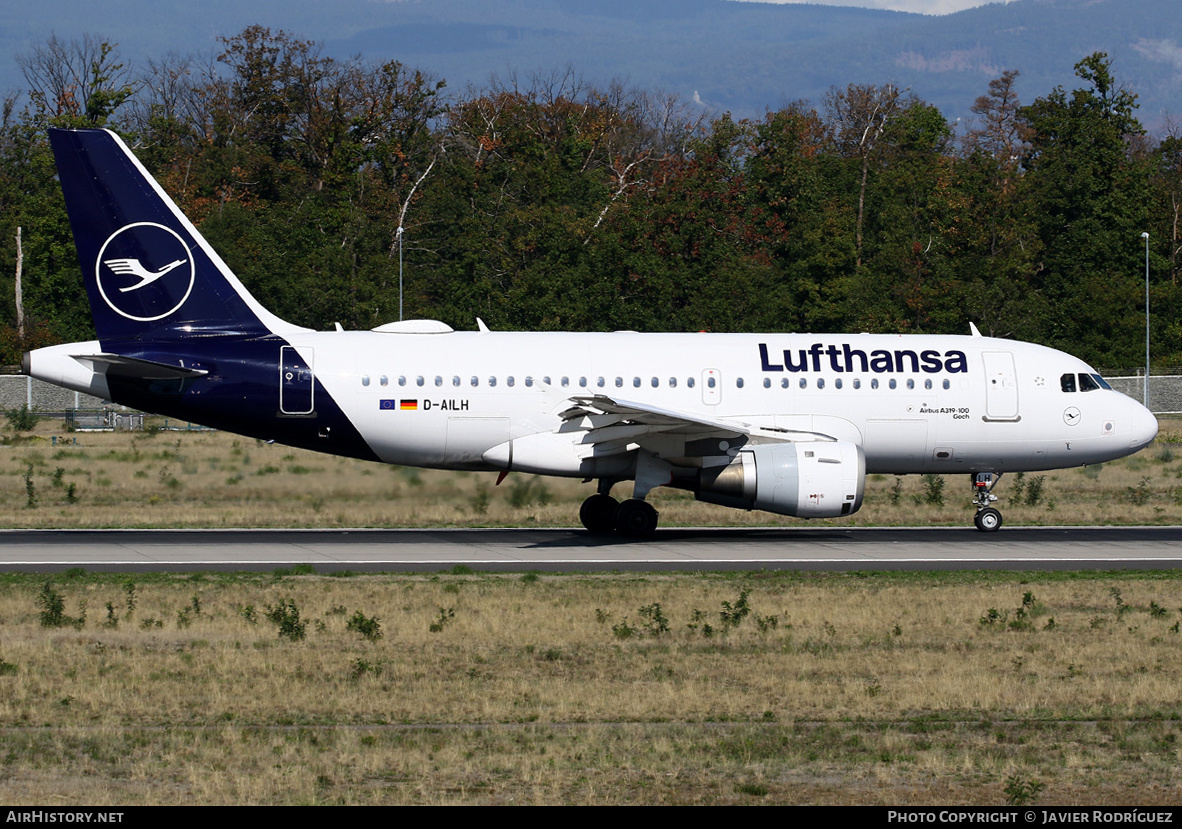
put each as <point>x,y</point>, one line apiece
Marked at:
<point>551,204</point>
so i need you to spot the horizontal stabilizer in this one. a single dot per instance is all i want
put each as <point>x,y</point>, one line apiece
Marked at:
<point>116,365</point>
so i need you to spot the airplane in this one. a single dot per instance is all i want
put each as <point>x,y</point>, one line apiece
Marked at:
<point>787,423</point>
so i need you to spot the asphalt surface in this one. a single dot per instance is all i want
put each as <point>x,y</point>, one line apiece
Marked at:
<point>519,550</point>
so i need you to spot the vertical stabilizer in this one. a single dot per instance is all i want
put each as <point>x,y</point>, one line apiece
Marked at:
<point>149,274</point>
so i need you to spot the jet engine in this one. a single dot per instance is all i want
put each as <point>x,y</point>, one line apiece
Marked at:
<point>810,480</point>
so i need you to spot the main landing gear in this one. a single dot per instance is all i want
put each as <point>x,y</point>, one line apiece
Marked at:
<point>602,514</point>
<point>987,519</point>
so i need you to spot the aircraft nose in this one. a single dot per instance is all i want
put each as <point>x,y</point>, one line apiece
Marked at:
<point>1144,427</point>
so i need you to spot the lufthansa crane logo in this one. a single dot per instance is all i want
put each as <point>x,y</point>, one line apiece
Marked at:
<point>145,271</point>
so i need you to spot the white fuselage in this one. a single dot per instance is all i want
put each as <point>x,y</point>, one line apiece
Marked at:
<point>444,400</point>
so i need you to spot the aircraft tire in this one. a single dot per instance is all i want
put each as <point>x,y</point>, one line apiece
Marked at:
<point>598,514</point>
<point>988,520</point>
<point>635,518</point>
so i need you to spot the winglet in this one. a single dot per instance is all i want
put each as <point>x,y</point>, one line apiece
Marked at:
<point>973,329</point>
<point>481,326</point>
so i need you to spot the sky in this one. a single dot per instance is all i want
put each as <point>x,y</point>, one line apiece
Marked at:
<point>916,6</point>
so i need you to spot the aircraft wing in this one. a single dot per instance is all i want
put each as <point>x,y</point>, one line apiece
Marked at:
<point>614,425</point>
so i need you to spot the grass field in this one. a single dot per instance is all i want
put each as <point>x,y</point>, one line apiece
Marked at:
<point>52,478</point>
<point>301,687</point>
<point>892,689</point>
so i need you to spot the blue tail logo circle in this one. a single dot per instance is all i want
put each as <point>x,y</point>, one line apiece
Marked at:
<point>145,271</point>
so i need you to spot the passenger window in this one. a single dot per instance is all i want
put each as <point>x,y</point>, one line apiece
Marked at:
<point>947,385</point>
<point>711,382</point>
<point>565,382</point>
<point>492,381</point>
<point>689,381</point>
<point>365,380</point>
<point>873,382</point>
<point>910,383</point>
<point>804,382</point>
<point>1067,383</point>
<point>767,382</point>
<point>820,382</point>
<point>509,381</point>
<point>635,382</point>
<point>672,382</point>
<point>857,383</point>
<point>385,381</point>
<point>837,383</point>
<point>738,382</point>
<point>402,381</point>
<point>583,382</point>
<point>656,382</point>
<point>419,380</point>
<point>619,382</point>
<point>893,383</point>
<point>927,384</point>
<point>783,382</point>
<point>475,381</point>
<point>529,381</point>
<point>599,381</point>
<point>438,380</point>
<point>455,381</point>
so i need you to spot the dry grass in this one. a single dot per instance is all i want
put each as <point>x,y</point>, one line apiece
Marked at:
<point>873,689</point>
<point>210,479</point>
<point>888,689</point>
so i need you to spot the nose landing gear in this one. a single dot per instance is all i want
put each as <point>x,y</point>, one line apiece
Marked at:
<point>987,519</point>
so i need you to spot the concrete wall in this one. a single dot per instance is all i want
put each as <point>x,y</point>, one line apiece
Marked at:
<point>17,390</point>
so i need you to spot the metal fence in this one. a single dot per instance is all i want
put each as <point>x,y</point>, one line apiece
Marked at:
<point>16,390</point>
<point>1165,391</point>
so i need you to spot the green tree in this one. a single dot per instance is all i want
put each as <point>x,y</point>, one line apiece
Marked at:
<point>1091,201</point>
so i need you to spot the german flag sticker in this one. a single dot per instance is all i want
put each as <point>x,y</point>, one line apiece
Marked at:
<point>409,406</point>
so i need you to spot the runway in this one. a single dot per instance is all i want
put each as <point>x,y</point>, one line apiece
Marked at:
<point>519,550</point>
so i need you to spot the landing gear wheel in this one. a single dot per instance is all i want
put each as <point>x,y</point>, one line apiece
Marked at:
<point>988,520</point>
<point>598,514</point>
<point>635,519</point>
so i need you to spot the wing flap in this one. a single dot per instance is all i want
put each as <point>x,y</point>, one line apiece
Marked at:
<point>611,425</point>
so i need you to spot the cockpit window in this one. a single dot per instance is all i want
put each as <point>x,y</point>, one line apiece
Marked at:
<point>1103,383</point>
<point>1067,382</point>
<point>1086,383</point>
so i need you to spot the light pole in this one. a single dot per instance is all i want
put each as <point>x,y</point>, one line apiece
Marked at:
<point>400,272</point>
<point>1145,236</point>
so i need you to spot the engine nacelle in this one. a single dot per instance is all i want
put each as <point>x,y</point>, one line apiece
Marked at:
<point>809,480</point>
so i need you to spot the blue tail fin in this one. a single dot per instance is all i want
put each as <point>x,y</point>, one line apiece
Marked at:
<point>149,274</point>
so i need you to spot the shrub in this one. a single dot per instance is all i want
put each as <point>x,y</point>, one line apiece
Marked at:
<point>732,615</point>
<point>53,609</point>
<point>933,490</point>
<point>20,420</point>
<point>369,627</point>
<point>446,614</point>
<point>286,617</point>
<point>655,622</point>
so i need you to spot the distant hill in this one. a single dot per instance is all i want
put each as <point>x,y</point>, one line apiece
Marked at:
<point>741,57</point>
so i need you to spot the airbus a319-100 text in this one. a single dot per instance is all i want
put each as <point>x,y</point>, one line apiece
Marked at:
<point>787,423</point>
